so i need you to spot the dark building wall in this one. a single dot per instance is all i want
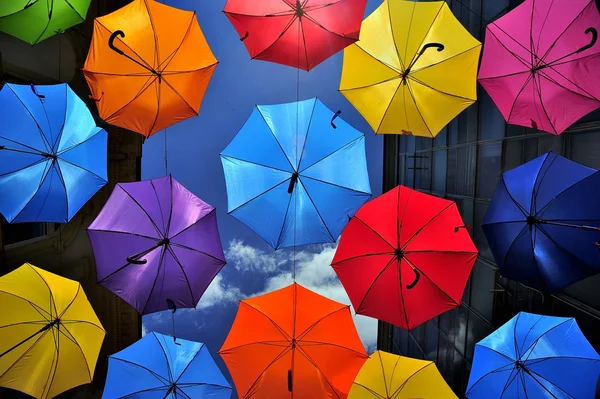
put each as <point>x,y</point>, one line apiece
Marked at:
<point>463,163</point>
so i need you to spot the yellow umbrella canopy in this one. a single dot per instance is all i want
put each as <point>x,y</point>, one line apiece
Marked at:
<point>413,70</point>
<point>389,376</point>
<point>50,336</point>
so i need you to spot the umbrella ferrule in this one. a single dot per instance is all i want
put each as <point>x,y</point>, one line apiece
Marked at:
<point>299,10</point>
<point>399,253</point>
<point>51,324</point>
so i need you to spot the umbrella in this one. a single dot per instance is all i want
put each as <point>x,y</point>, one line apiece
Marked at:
<point>298,33</point>
<point>36,20</point>
<point>52,154</point>
<point>293,175</point>
<point>543,224</point>
<point>405,257</point>
<point>386,375</point>
<point>534,356</point>
<point>413,70</point>
<point>293,343</point>
<point>50,336</point>
<point>539,63</point>
<point>157,367</point>
<point>156,245</point>
<point>148,67</point>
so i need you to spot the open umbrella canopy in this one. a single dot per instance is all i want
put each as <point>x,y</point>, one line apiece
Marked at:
<point>539,63</point>
<point>405,257</point>
<point>159,367</point>
<point>413,70</point>
<point>535,356</point>
<point>293,343</point>
<point>385,375</point>
<point>36,20</point>
<point>156,245</point>
<point>50,336</point>
<point>543,224</point>
<point>52,154</point>
<point>295,173</point>
<point>148,67</point>
<point>298,33</point>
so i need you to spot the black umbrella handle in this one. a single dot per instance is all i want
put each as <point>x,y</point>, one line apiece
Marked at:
<point>111,44</point>
<point>290,381</point>
<point>244,37</point>
<point>339,111</point>
<point>293,181</point>
<point>417,277</point>
<point>130,259</point>
<point>594,33</point>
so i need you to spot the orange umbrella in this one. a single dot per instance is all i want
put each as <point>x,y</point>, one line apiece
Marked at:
<point>148,66</point>
<point>293,343</point>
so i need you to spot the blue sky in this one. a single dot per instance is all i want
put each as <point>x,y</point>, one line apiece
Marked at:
<point>238,84</point>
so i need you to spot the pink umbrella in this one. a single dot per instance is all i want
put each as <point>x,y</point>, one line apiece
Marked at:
<point>540,63</point>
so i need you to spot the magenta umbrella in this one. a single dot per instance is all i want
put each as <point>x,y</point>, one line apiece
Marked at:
<point>540,63</point>
<point>156,245</point>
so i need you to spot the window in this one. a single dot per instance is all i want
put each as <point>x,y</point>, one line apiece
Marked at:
<point>18,232</point>
<point>439,171</point>
<point>492,121</point>
<point>489,169</point>
<point>585,148</point>
<point>478,235</point>
<point>465,171</point>
<point>482,298</point>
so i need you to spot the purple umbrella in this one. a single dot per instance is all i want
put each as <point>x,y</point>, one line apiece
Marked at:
<point>156,245</point>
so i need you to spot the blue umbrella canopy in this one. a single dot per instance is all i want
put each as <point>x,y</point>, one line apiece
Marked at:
<point>295,173</point>
<point>535,356</point>
<point>158,367</point>
<point>52,154</point>
<point>543,223</point>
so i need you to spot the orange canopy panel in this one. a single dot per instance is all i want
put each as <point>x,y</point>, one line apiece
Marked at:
<point>293,343</point>
<point>149,66</point>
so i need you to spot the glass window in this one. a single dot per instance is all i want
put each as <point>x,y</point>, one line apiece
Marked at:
<point>431,340</point>
<point>453,132</point>
<point>550,143</point>
<point>440,139</point>
<point>465,171</point>
<point>513,154</point>
<point>477,329</point>
<point>492,8</point>
<point>451,177</point>
<point>585,148</point>
<point>489,169</point>
<point>439,170</point>
<point>18,232</point>
<point>478,235</point>
<point>484,280</point>
<point>530,149</point>
<point>472,122</point>
<point>492,121</point>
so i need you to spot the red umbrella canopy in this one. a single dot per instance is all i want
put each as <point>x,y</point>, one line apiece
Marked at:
<point>405,257</point>
<point>298,33</point>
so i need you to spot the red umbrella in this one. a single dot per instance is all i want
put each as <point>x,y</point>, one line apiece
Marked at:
<point>298,33</point>
<point>405,257</point>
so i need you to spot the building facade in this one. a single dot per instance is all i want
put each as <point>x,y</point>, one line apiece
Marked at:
<point>464,163</point>
<point>65,249</point>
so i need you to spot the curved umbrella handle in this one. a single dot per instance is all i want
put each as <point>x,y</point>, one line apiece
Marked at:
<point>130,259</point>
<point>40,96</point>
<point>594,33</point>
<point>417,277</point>
<point>111,41</point>
<point>244,37</point>
<point>290,381</point>
<point>439,47</point>
<point>293,181</point>
<point>339,111</point>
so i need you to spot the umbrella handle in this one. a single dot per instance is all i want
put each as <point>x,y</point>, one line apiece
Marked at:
<point>244,37</point>
<point>40,96</point>
<point>136,261</point>
<point>290,381</point>
<point>417,277</point>
<point>439,47</point>
<point>335,116</point>
<point>111,41</point>
<point>594,33</point>
<point>293,181</point>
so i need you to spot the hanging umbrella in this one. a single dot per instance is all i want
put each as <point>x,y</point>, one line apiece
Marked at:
<point>148,67</point>
<point>50,336</point>
<point>157,367</point>
<point>298,33</point>
<point>535,356</point>
<point>293,175</point>
<point>539,63</point>
<point>385,375</point>
<point>156,245</point>
<point>52,154</point>
<point>405,257</point>
<point>293,343</point>
<point>36,20</point>
<point>413,70</point>
<point>543,224</point>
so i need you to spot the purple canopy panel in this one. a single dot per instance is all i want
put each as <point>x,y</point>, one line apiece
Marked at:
<point>154,240</point>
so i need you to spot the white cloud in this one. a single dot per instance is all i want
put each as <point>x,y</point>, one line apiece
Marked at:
<point>313,271</point>
<point>219,293</point>
<point>144,330</point>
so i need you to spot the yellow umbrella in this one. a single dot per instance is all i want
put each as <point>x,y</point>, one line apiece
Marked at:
<point>50,336</point>
<point>413,70</point>
<point>387,376</point>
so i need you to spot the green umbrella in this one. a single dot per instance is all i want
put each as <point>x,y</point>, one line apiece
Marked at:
<point>37,20</point>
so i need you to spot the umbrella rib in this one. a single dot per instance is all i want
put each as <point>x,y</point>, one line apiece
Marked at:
<point>33,305</point>
<point>144,87</point>
<point>100,130</point>
<point>372,392</point>
<point>504,76</point>
<point>401,387</point>
<point>259,195</point>
<point>40,131</point>
<point>42,335</point>
<point>270,343</point>
<point>54,364</point>
<point>497,370</point>
<point>512,108</point>
<point>126,233</point>
<point>285,29</point>
<point>304,333</point>
<point>83,322</point>
<point>190,362</point>
<point>370,85</point>
<point>317,210</point>
<point>44,322</point>
<point>390,104</point>
<point>425,224</point>
<point>426,32</point>
<point>253,386</point>
<point>314,21</point>
<point>45,198</point>
<point>141,208</point>
<point>49,291</point>
<point>56,143</point>
<point>171,56</point>
<point>157,88</point>
<point>64,184</point>
<point>538,179</point>
<point>78,346</point>
<point>374,231</point>
<point>394,259</point>
<point>281,330</point>
<point>275,137</point>
<point>160,378</point>
<point>180,96</point>
<point>517,57</point>
<point>46,172</point>
<point>158,202</point>
<point>412,14</point>
<point>287,209</point>
<point>419,81</point>
<point>590,96</point>
<point>254,163</point>
<point>73,8</point>
<point>301,33</point>
<point>537,87</point>
<point>531,347</point>
<point>385,383</point>
<point>334,152</point>
<point>22,145</point>
<point>28,4</point>
<point>131,394</point>
<point>310,120</point>
<point>126,45</point>
<point>362,256</point>
<point>156,49</point>
<point>545,208</point>
<point>319,343</point>
<point>517,238</point>
<point>509,381</point>
<point>412,96</point>
<point>36,41</point>
<point>457,303</point>
<point>171,208</point>
<point>444,60</point>
<point>320,372</point>
<point>194,301</point>
<point>171,377</point>
<point>82,168</point>
<point>549,382</point>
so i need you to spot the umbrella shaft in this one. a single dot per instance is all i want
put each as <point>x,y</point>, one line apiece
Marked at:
<point>577,226</point>
<point>22,342</point>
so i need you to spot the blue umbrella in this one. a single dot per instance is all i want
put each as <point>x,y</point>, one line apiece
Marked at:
<point>52,155</point>
<point>158,367</point>
<point>295,174</point>
<point>542,223</point>
<point>534,356</point>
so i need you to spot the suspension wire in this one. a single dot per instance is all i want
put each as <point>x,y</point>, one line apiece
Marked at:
<point>296,161</point>
<point>166,155</point>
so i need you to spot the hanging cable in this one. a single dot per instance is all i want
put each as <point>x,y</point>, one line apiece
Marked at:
<point>166,155</point>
